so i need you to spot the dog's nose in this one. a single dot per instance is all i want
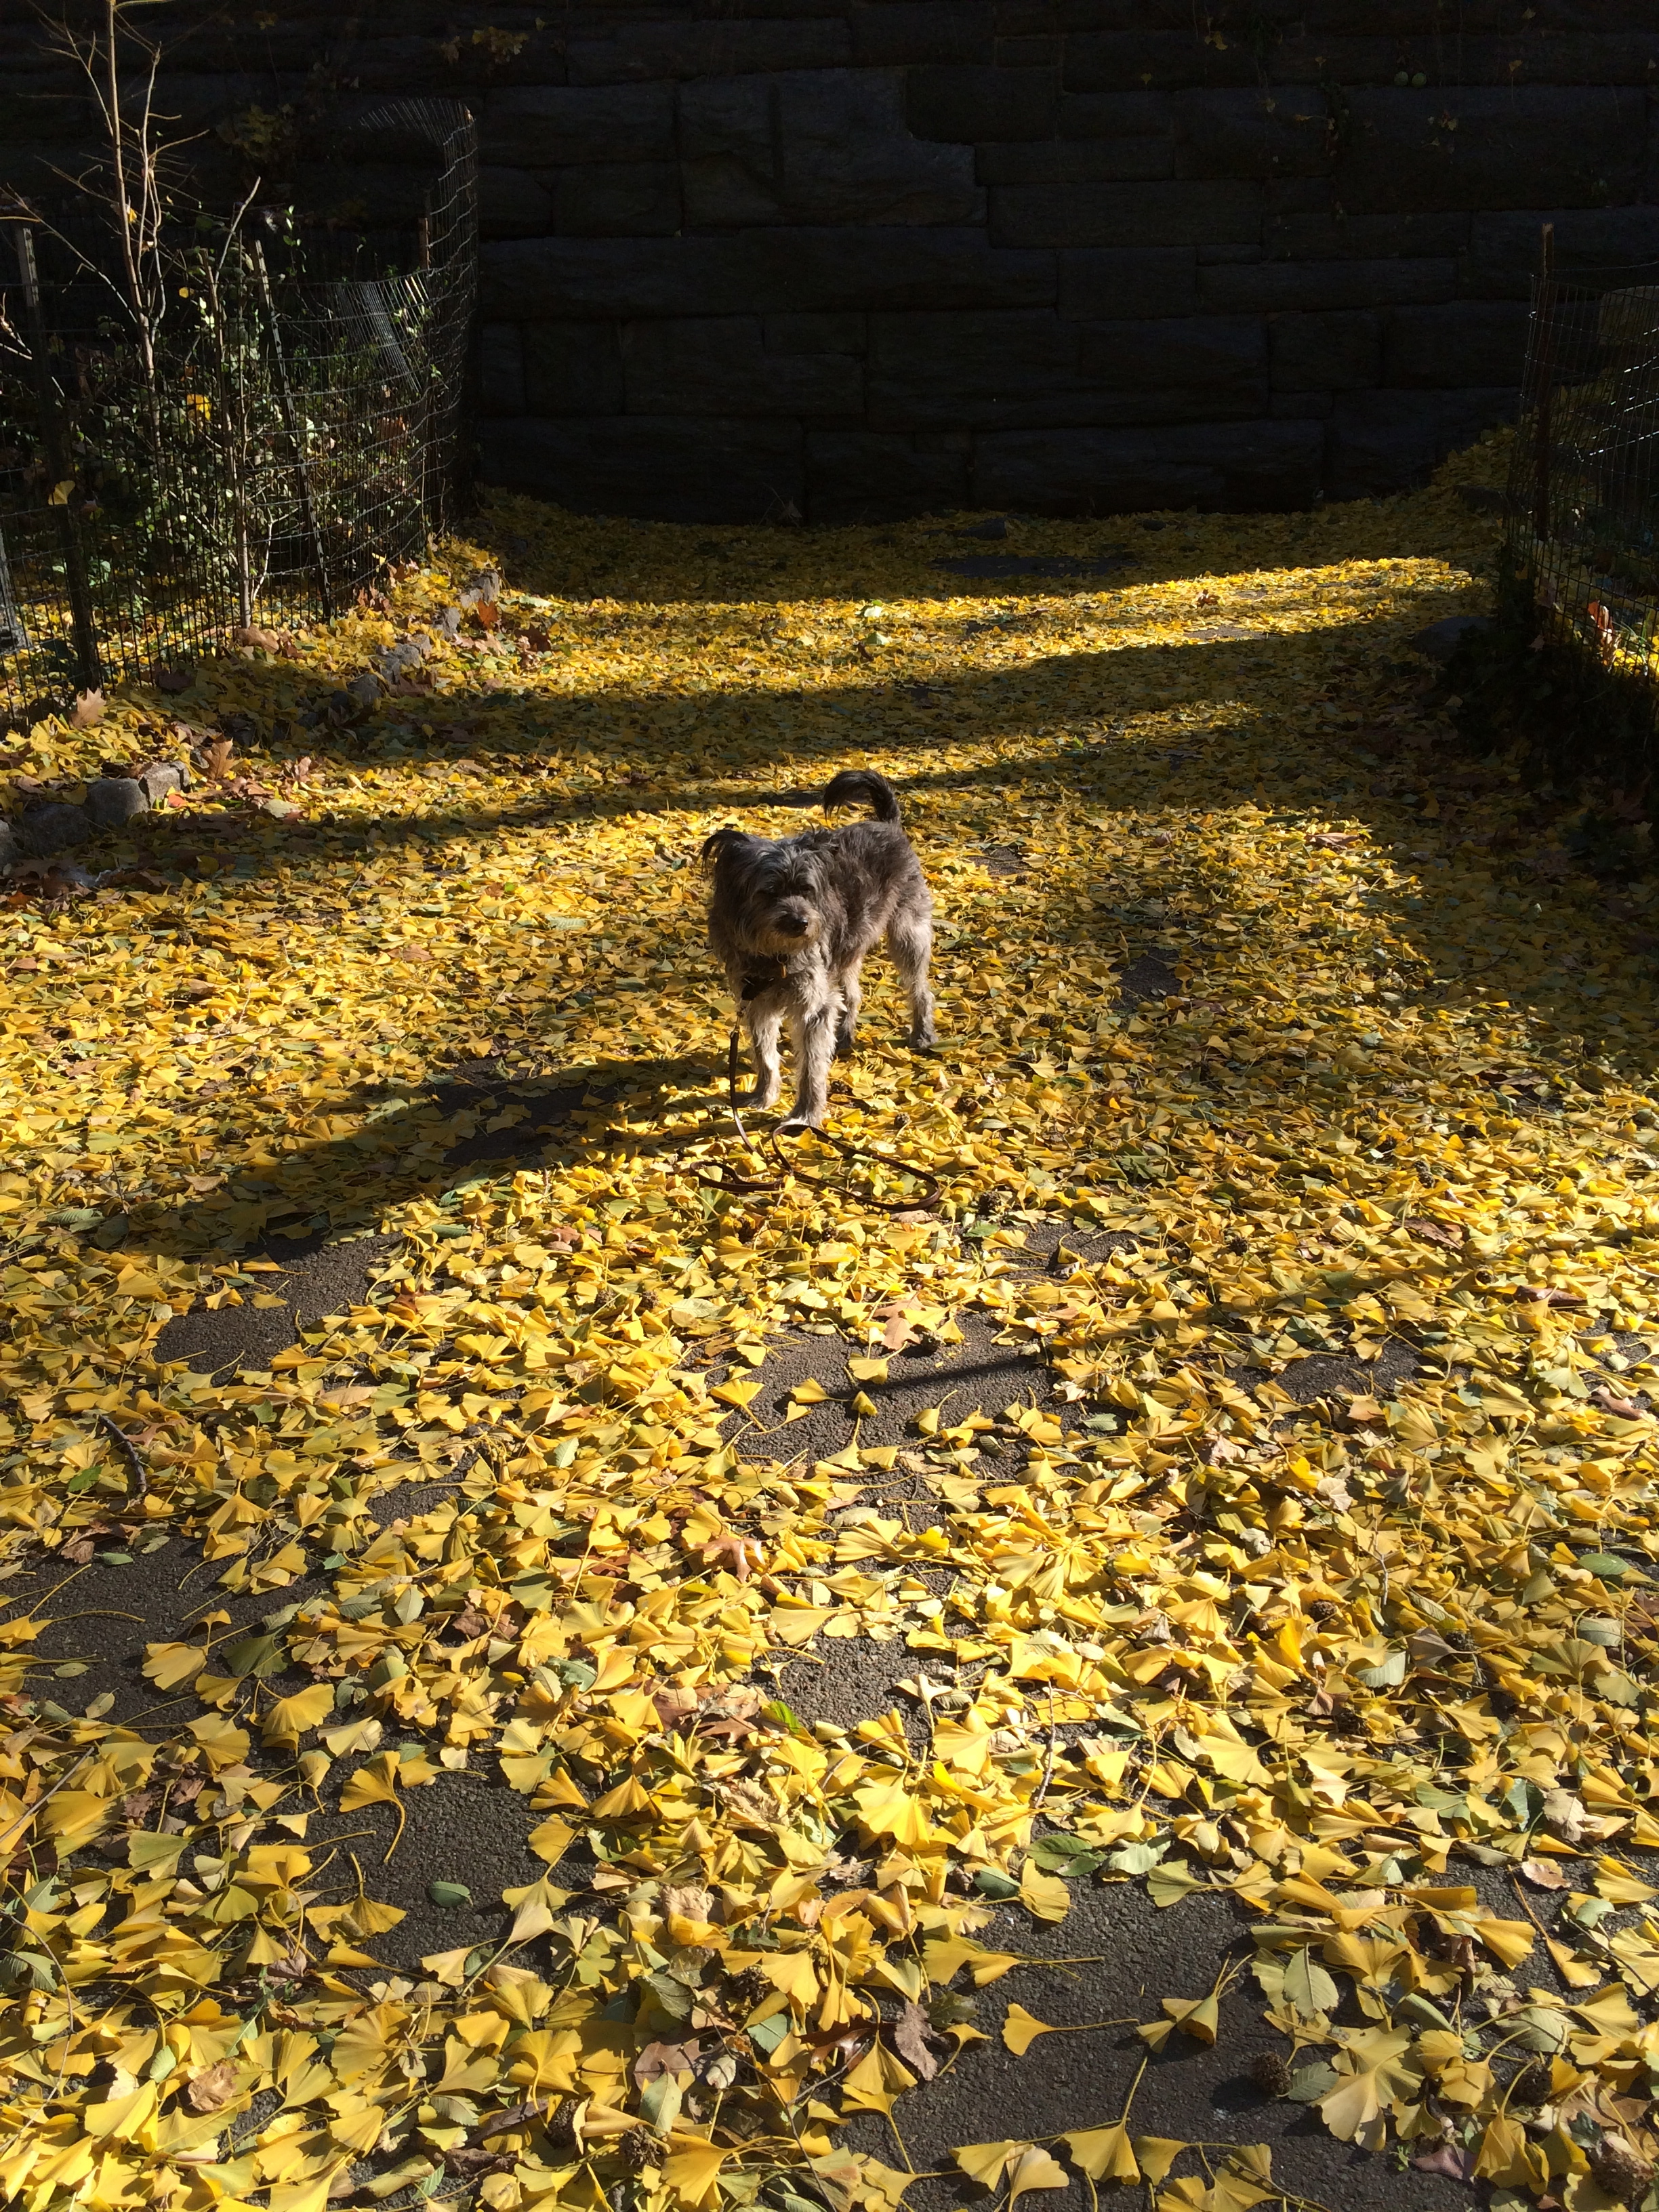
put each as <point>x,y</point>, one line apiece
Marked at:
<point>792,924</point>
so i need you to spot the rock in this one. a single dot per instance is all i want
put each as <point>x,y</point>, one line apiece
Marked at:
<point>861,476</point>
<point>161,777</point>
<point>1274,286</point>
<point>1465,342</point>
<point>1168,211</point>
<point>1084,471</point>
<point>553,126</point>
<point>1251,132</point>
<point>11,848</point>
<point>962,102</point>
<point>113,799</point>
<point>893,266</point>
<point>1515,145</point>
<point>1441,639</point>
<point>618,199</point>
<point>50,826</point>
<point>1381,441</point>
<point>363,690</point>
<point>718,365</point>
<point>672,468</point>
<point>500,369</point>
<point>1104,283</point>
<point>1325,353</point>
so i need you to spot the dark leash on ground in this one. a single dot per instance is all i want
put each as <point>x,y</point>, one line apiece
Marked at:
<point>922,1202</point>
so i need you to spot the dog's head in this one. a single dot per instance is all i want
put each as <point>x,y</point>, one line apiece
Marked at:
<point>773,890</point>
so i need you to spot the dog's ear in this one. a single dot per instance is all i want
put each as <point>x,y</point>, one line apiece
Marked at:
<point>723,842</point>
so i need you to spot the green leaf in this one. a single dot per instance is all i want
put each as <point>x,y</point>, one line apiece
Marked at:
<point>1309,2083</point>
<point>260,1657</point>
<point>767,2034</point>
<point>991,1882</point>
<point>449,1894</point>
<point>659,2104</point>
<point>1609,1569</point>
<point>1308,1986</point>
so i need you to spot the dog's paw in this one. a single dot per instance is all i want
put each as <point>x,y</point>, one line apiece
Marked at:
<point>796,1125</point>
<point>923,1041</point>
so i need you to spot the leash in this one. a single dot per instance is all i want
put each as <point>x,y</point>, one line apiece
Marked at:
<point>923,1203</point>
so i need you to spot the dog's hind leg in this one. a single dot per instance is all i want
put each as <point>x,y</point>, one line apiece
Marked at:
<point>851,998</point>
<point>910,942</point>
<point>763,1025</point>
<point>813,1032</point>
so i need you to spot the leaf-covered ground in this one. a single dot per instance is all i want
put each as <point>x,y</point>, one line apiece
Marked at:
<point>1234,1491</point>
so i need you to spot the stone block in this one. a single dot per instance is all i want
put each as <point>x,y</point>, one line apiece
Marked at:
<point>1330,235</point>
<point>817,334</point>
<point>717,365</point>
<point>643,52</point>
<point>1504,248</point>
<point>551,126</point>
<point>1091,472</point>
<point>514,203</point>
<point>162,778</point>
<point>1276,287</point>
<point>672,468</point>
<point>758,272</point>
<point>1481,147</point>
<point>1467,342</point>
<point>859,476</point>
<point>1192,369</point>
<point>1136,282</point>
<point>618,199</point>
<point>572,368</point>
<point>1259,132</point>
<point>1116,115</point>
<point>828,146</point>
<point>1075,161</point>
<point>1342,352</point>
<point>962,102</point>
<point>979,368</point>
<point>501,368</point>
<point>52,827</point>
<point>906,31</point>
<point>1153,56</point>
<point>1384,441</point>
<point>11,847</point>
<point>113,799</point>
<point>1176,212</point>
<point>1299,406</point>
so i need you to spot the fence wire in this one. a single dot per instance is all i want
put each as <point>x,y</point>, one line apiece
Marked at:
<point>303,427</point>
<point>1582,529</point>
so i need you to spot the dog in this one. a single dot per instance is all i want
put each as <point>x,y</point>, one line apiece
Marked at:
<point>793,919</point>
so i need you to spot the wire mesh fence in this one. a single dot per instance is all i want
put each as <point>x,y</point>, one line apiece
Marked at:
<point>1582,529</point>
<point>293,426</point>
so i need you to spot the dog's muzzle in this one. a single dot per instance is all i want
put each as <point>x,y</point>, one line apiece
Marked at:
<point>765,975</point>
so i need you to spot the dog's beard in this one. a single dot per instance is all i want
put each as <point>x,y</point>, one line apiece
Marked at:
<point>767,938</point>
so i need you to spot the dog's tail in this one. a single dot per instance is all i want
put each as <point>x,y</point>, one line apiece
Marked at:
<point>854,784</point>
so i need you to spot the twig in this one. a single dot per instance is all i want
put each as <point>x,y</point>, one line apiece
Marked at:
<point>130,1452</point>
<point>1049,1763</point>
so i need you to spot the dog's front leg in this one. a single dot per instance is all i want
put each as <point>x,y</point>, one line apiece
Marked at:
<point>764,1023</point>
<point>813,1032</point>
<point>851,997</point>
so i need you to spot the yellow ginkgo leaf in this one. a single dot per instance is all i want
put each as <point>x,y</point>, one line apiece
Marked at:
<point>1020,2029</point>
<point>692,2170</point>
<point>867,1371</point>
<point>1156,2154</point>
<point>290,1718</point>
<point>988,2162</point>
<point>167,1665</point>
<point>1104,2154</point>
<point>736,1394</point>
<point>1044,1894</point>
<point>1035,2168</point>
<point>809,1391</point>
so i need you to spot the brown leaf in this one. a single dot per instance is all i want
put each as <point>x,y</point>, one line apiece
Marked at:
<point>175,679</point>
<point>88,709</point>
<point>1434,1232</point>
<point>1542,1874</point>
<point>1625,1409</point>
<point>251,636</point>
<point>487,614</point>
<point>211,2091</point>
<point>217,758</point>
<point>910,2032</point>
<point>666,2059</point>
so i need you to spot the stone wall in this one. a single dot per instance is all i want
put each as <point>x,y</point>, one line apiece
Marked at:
<point>869,257</point>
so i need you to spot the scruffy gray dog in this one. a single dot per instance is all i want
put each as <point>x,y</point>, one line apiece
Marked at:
<point>793,919</point>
